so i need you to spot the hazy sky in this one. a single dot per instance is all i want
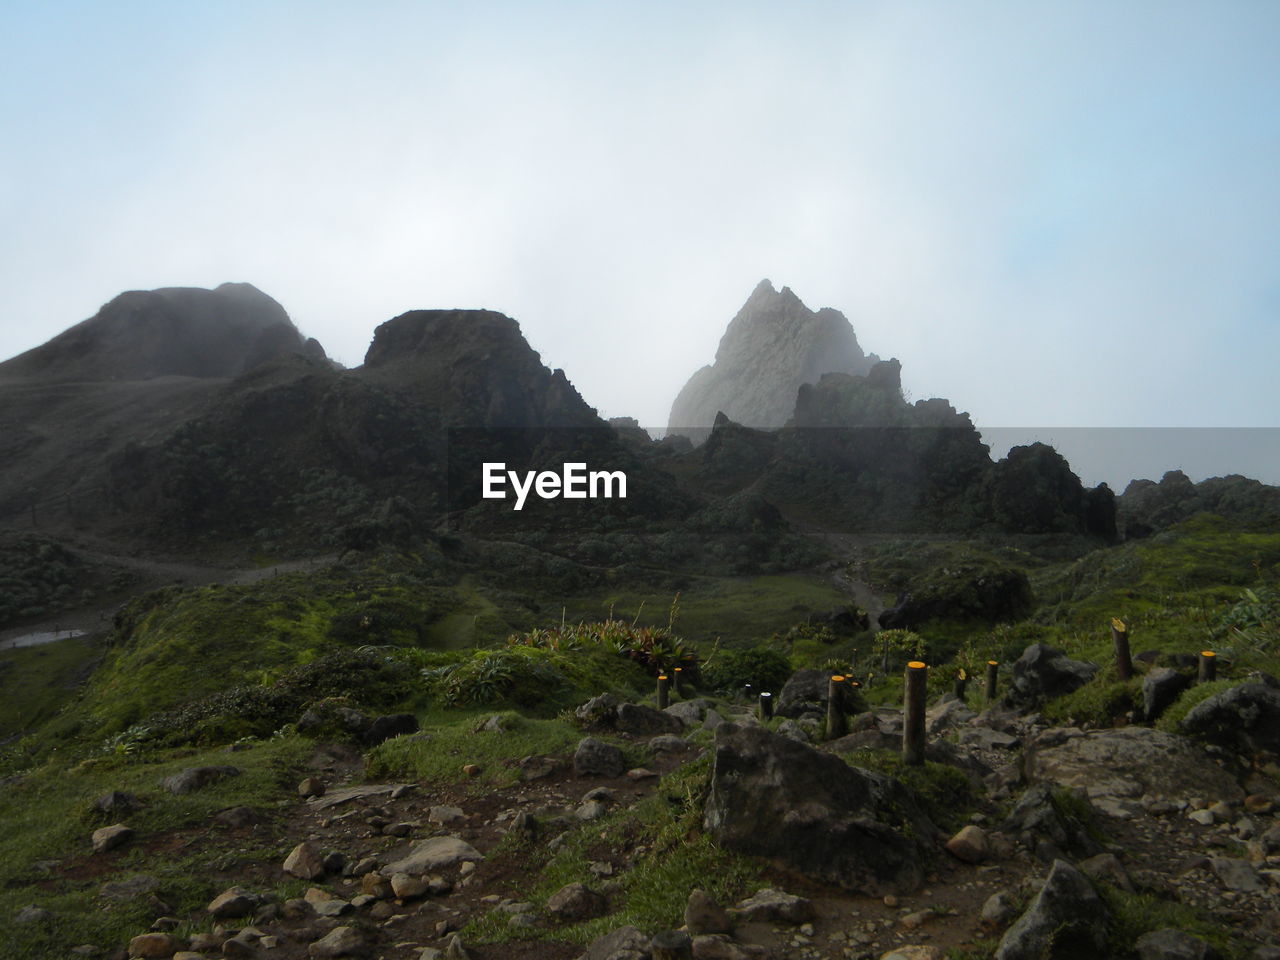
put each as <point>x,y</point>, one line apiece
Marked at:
<point>1055,214</point>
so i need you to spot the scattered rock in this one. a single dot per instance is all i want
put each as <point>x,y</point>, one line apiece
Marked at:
<point>915,952</point>
<point>595,758</point>
<point>232,903</point>
<point>444,814</point>
<point>305,862</point>
<point>117,802</point>
<point>311,787</point>
<point>969,845</point>
<point>237,817</point>
<point>197,778</point>
<point>1000,908</point>
<point>690,712</point>
<point>671,945</point>
<point>109,838</point>
<point>669,743</point>
<point>1107,866</point>
<point>702,915</point>
<point>946,715</point>
<point>625,943</point>
<point>433,854</point>
<point>1238,875</point>
<point>338,942</point>
<point>1171,944</point>
<point>599,711</point>
<point>407,887</point>
<point>154,945</point>
<point>32,914</point>
<point>1066,920</point>
<point>575,901</point>
<point>774,906</point>
<point>812,812</point>
<point>537,768</point>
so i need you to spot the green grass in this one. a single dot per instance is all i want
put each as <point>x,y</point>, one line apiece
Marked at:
<point>1133,914</point>
<point>439,753</point>
<point>737,611</point>
<point>48,815</point>
<point>36,682</point>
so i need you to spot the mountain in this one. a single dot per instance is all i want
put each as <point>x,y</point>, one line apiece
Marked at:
<point>773,346</point>
<point>173,331</point>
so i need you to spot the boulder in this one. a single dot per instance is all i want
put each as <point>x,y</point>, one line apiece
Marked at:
<point>625,943</point>
<point>1172,944</point>
<point>338,942</point>
<point>233,903</point>
<point>946,715</point>
<point>804,692</point>
<point>1245,717</point>
<point>774,906</point>
<point>702,915</point>
<point>595,758</point>
<point>116,802</point>
<point>576,901</point>
<point>1067,920</point>
<point>690,712</point>
<point>154,945</point>
<point>197,778</point>
<point>1160,688</point>
<point>109,838</point>
<point>599,711</point>
<point>1115,768</point>
<point>433,854</point>
<point>1046,829</point>
<point>669,743</point>
<point>969,845</point>
<point>810,811</point>
<point>1043,673</point>
<point>305,861</point>
<point>644,721</point>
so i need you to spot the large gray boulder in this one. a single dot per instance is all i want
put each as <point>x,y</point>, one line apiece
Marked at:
<point>1246,717</point>
<point>1043,673</point>
<point>1115,768</point>
<point>1067,920</point>
<point>645,721</point>
<point>811,812</point>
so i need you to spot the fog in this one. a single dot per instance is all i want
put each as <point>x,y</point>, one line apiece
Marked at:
<point>1057,215</point>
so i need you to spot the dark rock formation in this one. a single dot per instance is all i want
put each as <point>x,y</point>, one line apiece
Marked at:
<point>1147,507</point>
<point>771,347</point>
<point>1043,673</point>
<point>1042,825</point>
<point>811,812</point>
<point>1065,921</point>
<point>1246,717</point>
<point>1160,688</point>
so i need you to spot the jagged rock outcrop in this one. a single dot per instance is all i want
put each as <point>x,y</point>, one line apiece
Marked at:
<point>811,812</point>
<point>182,331</point>
<point>773,345</point>
<point>1147,507</point>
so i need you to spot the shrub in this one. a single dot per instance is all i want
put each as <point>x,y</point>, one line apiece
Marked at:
<point>764,666</point>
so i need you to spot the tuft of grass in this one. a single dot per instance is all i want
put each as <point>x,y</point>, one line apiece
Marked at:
<point>1133,914</point>
<point>1171,720</point>
<point>652,892</point>
<point>944,792</point>
<point>36,682</point>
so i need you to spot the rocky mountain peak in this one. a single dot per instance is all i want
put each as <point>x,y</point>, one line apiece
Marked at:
<point>182,331</point>
<point>771,347</point>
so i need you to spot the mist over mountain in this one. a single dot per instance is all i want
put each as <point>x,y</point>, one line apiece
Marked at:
<point>772,346</point>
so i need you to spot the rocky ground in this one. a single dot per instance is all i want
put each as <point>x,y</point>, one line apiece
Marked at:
<point>1073,838</point>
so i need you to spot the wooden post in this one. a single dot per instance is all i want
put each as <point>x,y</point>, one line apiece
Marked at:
<point>915,692</point>
<point>1208,667</point>
<point>993,669</point>
<point>663,698</point>
<point>1120,637</point>
<point>679,685</point>
<point>962,681</point>
<point>766,706</point>
<point>748,693</point>
<point>835,708</point>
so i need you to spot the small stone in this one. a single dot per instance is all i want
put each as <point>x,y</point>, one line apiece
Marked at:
<point>671,945</point>
<point>311,787</point>
<point>640,773</point>
<point>109,838</point>
<point>444,814</point>
<point>471,769</point>
<point>890,901</point>
<point>455,949</point>
<point>913,921</point>
<point>238,948</point>
<point>150,945</point>
<point>575,901</point>
<point>1202,817</point>
<point>1259,803</point>
<point>969,845</point>
<point>338,942</point>
<point>232,903</point>
<point>407,887</point>
<point>703,915</point>
<point>774,906</point>
<point>305,862</point>
<point>915,951</point>
<point>592,810</point>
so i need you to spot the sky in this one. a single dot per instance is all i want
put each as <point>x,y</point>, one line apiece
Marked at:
<point>1057,215</point>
